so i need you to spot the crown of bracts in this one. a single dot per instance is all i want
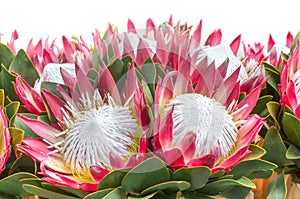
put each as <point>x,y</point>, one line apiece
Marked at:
<point>158,112</point>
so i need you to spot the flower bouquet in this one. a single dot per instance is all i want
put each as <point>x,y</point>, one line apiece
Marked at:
<point>153,113</point>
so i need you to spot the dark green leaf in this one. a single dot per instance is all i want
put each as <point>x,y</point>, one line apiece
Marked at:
<point>194,195</point>
<point>150,172</point>
<point>6,83</point>
<point>291,127</point>
<point>271,71</point>
<point>245,168</point>
<point>96,59</point>
<point>196,176</point>
<point>22,65</point>
<point>260,107</point>
<point>170,186</point>
<point>113,179</point>
<point>217,174</point>
<point>23,164</point>
<point>6,55</point>
<point>293,152</point>
<point>11,185</point>
<point>65,190</point>
<point>117,193</point>
<point>277,188</point>
<point>221,186</point>
<point>276,150</point>
<point>237,192</point>
<point>98,194</point>
<point>261,174</point>
<point>34,190</point>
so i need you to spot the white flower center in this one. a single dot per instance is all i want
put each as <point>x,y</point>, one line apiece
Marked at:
<point>94,131</point>
<point>214,128</point>
<point>219,54</point>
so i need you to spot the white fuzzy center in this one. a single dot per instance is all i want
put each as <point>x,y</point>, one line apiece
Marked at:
<point>94,131</point>
<point>214,128</point>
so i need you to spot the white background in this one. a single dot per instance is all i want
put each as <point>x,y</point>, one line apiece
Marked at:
<point>254,19</point>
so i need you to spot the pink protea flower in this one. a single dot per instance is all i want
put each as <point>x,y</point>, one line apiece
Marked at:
<point>203,123</point>
<point>289,82</point>
<point>97,131</point>
<point>5,147</point>
<point>29,96</point>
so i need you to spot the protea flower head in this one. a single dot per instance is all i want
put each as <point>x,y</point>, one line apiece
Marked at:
<point>5,147</point>
<point>98,130</point>
<point>203,123</point>
<point>289,82</point>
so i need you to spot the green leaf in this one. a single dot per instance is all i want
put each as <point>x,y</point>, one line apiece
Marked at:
<point>11,184</point>
<point>196,176</point>
<point>150,172</point>
<point>260,107</point>
<point>194,195</point>
<point>261,174</point>
<point>256,152</point>
<point>117,193</point>
<point>293,152</point>
<point>65,190</point>
<point>149,72</point>
<point>274,108</point>
<point>96,59</point>
<point>6,83</point>
<point>291,127</point>
<point>277,188</point>
<point>221,186</point>
<point>17,136</point>
<point>6,55</point>
<point>237,192</point>
<point>217,174</point>
<point>113,179</point>
<point>93,77</point>
<point>296,39</point>
<point>11,110</point>
<point>276,150</point>
<point>170,186</point>
<point>34,190</point>
<point>117,70</point>
<point>22,65</point>
<point>271,71</point>
<point>143,197</point>
<point>23,164</point>
<point>98,194</point>
<point>245,168</point>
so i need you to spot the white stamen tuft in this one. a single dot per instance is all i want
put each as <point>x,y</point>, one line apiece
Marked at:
<point>94,130</point>
<point>208,119</point>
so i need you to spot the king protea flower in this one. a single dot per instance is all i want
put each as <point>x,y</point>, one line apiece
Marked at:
<point>289,82</point>
<point>97,131</point>
<point>5,147</point>
<point>204,123</point>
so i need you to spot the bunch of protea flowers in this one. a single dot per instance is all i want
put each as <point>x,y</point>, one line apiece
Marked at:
<point>143,114</point>
<point>279,104</point>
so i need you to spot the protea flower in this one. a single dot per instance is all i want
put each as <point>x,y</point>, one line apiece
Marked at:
<point>97,131</point>
<point>289,82</point>
<point>5,146</point>
<point>204,124</point>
